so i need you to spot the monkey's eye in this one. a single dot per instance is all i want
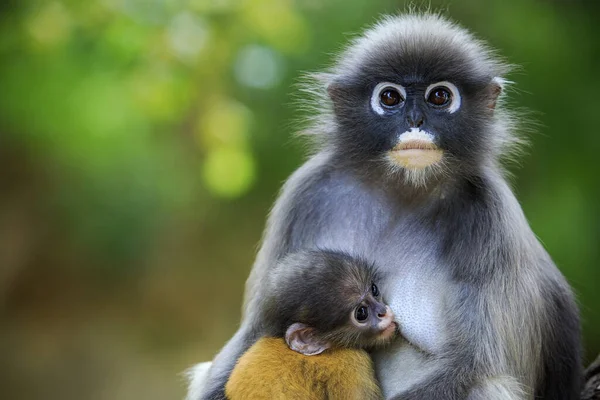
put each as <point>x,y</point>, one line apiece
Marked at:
<point>390,97</point>
<point>375,290</point>
<point>387,97</point>
<point>439,97</point>
<point>443,96</point>
<point>362,313</point>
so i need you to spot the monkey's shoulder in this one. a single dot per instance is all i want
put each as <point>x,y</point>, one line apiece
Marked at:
<point>319,176</point>
<point>322,206</point>
<point>320,189</point>
<point>269,369</point>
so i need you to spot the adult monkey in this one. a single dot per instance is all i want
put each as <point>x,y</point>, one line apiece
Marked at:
<point>408,174</point>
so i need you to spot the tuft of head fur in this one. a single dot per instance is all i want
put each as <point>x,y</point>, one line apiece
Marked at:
<point>413,47</point>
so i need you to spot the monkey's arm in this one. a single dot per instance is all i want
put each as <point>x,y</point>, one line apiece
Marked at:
<point>500,339</point>
<point>514,322</point>
<point>213,384</point>
<point>196,377</point>
<point>561,347</point>
<point>279,239</point>
<point>270,370</point>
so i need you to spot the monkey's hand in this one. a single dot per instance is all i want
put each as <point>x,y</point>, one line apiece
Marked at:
<point>197,376</point>
<point>270,370</point>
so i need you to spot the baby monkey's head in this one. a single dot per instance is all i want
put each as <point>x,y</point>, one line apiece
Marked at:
<point>331,299</point>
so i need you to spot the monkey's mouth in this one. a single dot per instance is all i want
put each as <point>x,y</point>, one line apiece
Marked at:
<point>389,331</point>
<point>415,144</point>
<point>415,153</point>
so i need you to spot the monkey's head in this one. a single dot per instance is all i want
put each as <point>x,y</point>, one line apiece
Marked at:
<point>333,301</point>
<point>415,97</point>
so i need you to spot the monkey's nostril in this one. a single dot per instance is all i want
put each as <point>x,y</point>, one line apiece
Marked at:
<point>385,312</point>
<point>414,122</point>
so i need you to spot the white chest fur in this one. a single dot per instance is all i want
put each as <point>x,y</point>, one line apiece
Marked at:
<point>416,291</point>
<point>413,283</point>
<point>418,300</point>
<point>416,287</point>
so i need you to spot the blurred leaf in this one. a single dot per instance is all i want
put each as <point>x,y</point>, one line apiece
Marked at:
<point>229,172</point>
<point>279,24</point>
<point>225,122</point>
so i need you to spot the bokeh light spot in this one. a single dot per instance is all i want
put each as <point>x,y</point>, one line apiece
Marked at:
<point>160,93</point>
<point>229,172</point>
<point>258,67</point>
<point>51,25</point>
<point>280,25</point>
<point>187,35</point>
<point>224,123</point>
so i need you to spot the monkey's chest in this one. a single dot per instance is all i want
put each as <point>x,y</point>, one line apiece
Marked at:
<point>419,311</point>
<point>419,305</point>
<point>417,294</point>
<point>354,220</point>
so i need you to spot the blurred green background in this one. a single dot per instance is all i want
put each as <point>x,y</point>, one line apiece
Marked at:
<point>142,143</point>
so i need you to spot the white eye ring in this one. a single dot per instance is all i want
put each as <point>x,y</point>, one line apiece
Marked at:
<point>375,97</point>
<point>355,320</point>
<point>455,100</point>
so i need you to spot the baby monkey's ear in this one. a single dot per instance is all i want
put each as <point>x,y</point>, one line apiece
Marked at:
<point>304,339</point>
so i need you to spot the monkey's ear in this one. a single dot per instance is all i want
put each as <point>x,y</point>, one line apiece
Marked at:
<point>333,90</point>
<point>494,89</point>
<point>304,339</point>
<point>337,91</point>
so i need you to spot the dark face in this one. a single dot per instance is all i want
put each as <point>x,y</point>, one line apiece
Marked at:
<point>416,114</point>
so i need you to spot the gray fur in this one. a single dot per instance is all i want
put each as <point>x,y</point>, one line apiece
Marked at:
<point>320,290</point>
<point>483,311</point>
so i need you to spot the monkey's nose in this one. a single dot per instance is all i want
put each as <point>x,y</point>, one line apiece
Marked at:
<point>386,321</point>
<point>384,312</point>
<point>414,119</point>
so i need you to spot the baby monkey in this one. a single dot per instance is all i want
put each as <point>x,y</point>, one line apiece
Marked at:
<point>316,300</point>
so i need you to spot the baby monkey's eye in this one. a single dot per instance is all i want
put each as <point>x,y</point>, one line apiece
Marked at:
<point>375,290</point>
<point>362,313</point>
<point>390,97</point>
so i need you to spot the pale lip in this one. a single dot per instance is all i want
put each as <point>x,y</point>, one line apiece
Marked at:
<point>415,144</point>
<point>389,331</point>
<point>387,324</point>
<point>416,153</point>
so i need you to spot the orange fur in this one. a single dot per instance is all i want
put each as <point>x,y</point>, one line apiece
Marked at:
<point>270,370</point>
